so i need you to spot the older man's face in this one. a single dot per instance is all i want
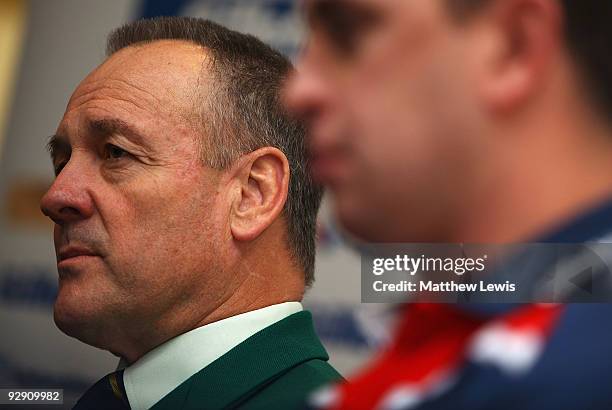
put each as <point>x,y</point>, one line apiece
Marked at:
<point>138,217</point>
<point>385,86</point>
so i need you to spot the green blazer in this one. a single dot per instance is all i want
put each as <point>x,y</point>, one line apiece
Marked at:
<point>275,368</point>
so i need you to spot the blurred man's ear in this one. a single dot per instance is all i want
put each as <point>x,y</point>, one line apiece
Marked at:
<point>262,178</point>
<point>523,41</point>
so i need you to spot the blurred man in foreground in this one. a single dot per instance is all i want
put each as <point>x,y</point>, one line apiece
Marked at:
<point>184,223</point>
<point>484,121</point>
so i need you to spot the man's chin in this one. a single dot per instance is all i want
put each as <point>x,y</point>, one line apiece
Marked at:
<point>368,220</point>
<point>362,223</point>
<point>359,229</point>
<point>82,324</point>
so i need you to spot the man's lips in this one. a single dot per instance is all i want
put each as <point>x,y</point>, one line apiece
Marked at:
<point>72,252</point>
<point>329,151</point>
<point>327,166</point>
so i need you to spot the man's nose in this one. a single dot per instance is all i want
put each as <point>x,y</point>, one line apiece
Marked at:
<point>305,94</point>
<point>68,199</point>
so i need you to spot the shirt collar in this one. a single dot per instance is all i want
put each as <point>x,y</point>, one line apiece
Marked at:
<point>589,226</point>
<point>593,225</point>
<point>164,368</point>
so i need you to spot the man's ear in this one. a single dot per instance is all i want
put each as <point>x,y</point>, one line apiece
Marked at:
<point>524,36</point>
<point>262,178</point>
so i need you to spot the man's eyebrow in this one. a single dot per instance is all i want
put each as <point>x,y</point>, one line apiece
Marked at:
<point>312,10</point>
<point>342,20</point>
<point>108,126</point>
<point>316,11</point>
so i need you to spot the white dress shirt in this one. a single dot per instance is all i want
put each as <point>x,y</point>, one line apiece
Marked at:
<point>164,368</point>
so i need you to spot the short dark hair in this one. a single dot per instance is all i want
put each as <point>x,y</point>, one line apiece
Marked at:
<point>246,112</point>
<point>588,34</point>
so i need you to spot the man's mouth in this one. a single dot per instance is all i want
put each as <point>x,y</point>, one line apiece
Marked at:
<point>328,165</point>
<point>329,152</point>
<point>73,253</point>
<point>323,167</point>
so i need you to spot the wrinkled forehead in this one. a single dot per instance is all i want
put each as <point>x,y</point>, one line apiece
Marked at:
<point>166,73</point>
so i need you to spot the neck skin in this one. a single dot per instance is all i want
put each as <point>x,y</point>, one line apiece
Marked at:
<point>550,162</point>
<point>267,276</point>
<point>271,276</point>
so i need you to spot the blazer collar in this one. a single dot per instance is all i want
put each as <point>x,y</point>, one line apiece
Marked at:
<point>250,366</point>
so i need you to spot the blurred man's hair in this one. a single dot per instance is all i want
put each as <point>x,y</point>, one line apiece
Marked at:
<point>243,112</point>
<point>588,33</point>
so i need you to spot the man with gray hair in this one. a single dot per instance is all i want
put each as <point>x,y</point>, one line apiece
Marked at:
<point>185,223</point>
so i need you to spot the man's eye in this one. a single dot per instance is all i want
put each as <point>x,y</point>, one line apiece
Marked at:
<point>57,168</point>
<point>344,26</point>
<point>114,152</point>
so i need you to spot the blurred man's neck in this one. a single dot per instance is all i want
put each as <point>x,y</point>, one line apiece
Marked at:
<point>551,165</point>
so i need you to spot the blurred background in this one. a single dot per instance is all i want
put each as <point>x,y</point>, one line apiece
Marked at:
<point>47,47</point>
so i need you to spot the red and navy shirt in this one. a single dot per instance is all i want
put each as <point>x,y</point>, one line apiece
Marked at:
<point>493,356</point>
